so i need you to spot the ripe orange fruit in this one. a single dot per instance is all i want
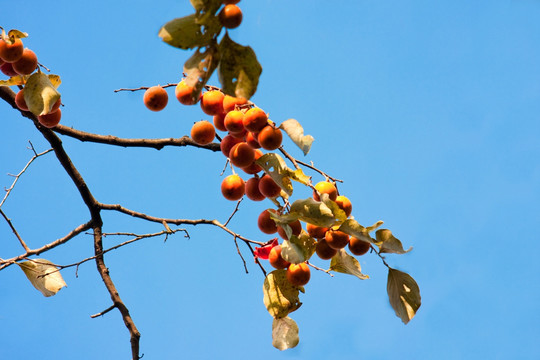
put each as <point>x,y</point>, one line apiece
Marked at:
<point>241,155</point>
<point>255,119</point>
<point>265,222</point>
<point>252,190</point>
<point>227,143</point>
<point>234,121</point>
<point>230,16</point>
<point>219,121</point>
<point>11,52</point>
<point>324,251</point>
<point>7,69</point>
<point>212,102</point>
<point>230,102</point>
<point>233,187</point>
<point>203,132</point>
<point>275,258</point>
<point>325,187</point>
<point>345,204</point>
<point>315,231</point>
<point>296,228</point>
<point>254,168</point>
<point>51,119</point>
<point>358,247</point>
<point>20,102</point>
<point>27,63</point>
<point>270,138</point>
<point>298,274</point>
<point>251,139</point>
<point>268,187</point>
<point>155,98</point>
<point>336,239</point>
<point>184,93</point>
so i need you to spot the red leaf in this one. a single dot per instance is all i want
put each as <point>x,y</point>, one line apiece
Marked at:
<point>263,251</point>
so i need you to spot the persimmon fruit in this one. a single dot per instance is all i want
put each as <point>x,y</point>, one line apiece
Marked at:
<point>358,247</point>
<point>270,138</point>
<point>265,222</point>
<point>252,190</point>
<point>336,239</point>
<point>255,119</point>
<point>268,187</point>
<point>233,187</point>
<point>227,143</point>
<point>11,52</point>
<point>296,228</point>
<point>315,231</point>
<point>155,98</point>
<point>298,274</point>
<point>51,119</point>
<point>212,102</point>
<point>230,16</point>
<point>234,121</point>
<point>219,121</point>
<point>325,187</point>
<point>324,251</point>
<point>254,168</point>
<point>20,102</point>
<point>185,93</point>
<point>276,260</point>
<point>7,69</point>
<point>230,102</point>
<point>344,204</point>
<point>203,132</point>
<point>241,154</point>
<point>27,63</point>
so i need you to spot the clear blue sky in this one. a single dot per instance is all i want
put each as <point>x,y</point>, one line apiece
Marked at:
<point>429,111</point>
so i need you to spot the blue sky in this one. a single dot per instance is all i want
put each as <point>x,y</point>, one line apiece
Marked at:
<point>427,111</point>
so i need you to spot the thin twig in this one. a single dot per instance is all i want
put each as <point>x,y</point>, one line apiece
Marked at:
<point>144,88</point>
<point>379,254</point>
<point>26,248</point>
<point>8,191</point>
<point>103,312</point>
<point>234,211</point>
<point>320,269</point>
<point>240,253</point>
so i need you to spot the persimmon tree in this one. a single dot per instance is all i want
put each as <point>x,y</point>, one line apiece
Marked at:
<point>309,230</point>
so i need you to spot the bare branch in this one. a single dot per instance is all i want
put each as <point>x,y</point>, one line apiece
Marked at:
<point>157,144</point>
<point>26,248</point>
<point>103,312</point>
<point>79,229</point>
<point>144,88</point>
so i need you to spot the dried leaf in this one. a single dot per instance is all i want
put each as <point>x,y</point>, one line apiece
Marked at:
<point>284,333</point>
<point>239,70</point>
<point>262,252</point>
<point>206,5</point>
<point>404,294</point>
<point>14,80</point>
<point>279,295</point>
<point>296,132</point>
<point>43,275</point>
<point>200,66</point>
<point>353,228</point>
<point>40,94</point>
<point>313,212</point>
<point>347,264</point>
<point>388,243</point>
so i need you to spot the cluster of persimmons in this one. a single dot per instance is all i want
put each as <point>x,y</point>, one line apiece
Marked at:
<point>15,60</point>
<point>248,131</point>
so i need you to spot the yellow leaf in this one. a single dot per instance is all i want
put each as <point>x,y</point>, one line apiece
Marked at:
<point>280,296</point>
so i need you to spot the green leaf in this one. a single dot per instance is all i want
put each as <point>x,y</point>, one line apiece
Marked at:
<point>353,228</point>
<point>347,264</point>
<point>279,295</point>
<point>206,5</point>
<point>296,133</point>
<point>43,275</point>
<point>239,70</point>
<point>189,31</point>
<point>40,94</point>
<point>404,294</point>
<point>298,248</point>
<point>284,333</point>
<point>388,243</point>
<point>200,66</point>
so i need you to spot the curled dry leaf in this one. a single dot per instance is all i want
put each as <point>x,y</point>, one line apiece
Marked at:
<point>404,294</point>
<point>347,264</point>
<point>43,275</point>
<point>296,132</point>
